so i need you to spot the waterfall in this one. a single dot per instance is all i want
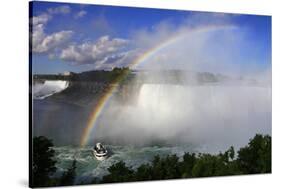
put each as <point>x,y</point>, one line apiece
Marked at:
<point>48,88</point>
<point>214,116</point>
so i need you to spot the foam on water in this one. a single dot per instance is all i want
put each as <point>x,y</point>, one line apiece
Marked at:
<point>88,167</point>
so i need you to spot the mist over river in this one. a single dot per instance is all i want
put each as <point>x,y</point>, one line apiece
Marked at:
<point>215,116</point>
<point>60,121</point>
<point>164,119</point>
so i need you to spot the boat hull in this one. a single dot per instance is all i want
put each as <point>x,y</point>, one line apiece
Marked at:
<point>100,157</point>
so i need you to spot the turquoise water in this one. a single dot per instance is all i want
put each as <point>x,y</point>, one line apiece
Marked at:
<point>88,167</point>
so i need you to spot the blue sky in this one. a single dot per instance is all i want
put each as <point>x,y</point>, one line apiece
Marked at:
<point>76,37</point>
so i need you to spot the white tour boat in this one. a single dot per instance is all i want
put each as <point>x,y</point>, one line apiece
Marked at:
<point>100,152</point>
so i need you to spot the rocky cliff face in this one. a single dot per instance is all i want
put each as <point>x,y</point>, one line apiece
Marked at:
<point>82,93</point>
<point>88,93</point>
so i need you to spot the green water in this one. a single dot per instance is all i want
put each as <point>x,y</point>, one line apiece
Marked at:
<point>88,167</point>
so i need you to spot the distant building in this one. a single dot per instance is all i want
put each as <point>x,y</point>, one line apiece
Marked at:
<point>67,73</point>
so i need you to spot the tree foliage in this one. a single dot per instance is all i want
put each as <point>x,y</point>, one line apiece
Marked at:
<point>254,158</point>
<point>118,173</point>
<point>43,163</point>
<point>251,159</point>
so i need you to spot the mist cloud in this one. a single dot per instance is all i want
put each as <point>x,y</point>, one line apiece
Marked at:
<point>210,117</point>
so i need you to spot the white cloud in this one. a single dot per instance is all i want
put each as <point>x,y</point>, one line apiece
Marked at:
<point>41,19</point>
<point>42,42</point>
<point>60,10</point>
<point>218,38</point>
<point>50,42</point>
<point>80,14</point>
<point>100,52</point>
<point>184,54</point>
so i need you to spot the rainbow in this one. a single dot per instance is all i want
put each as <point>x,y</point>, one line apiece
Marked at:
<point>103,101</point>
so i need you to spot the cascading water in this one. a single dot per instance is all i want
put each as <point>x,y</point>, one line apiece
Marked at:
<point>48,88</point>
<point>214,116</point>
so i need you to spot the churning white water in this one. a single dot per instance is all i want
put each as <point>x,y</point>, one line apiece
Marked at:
<point>212,116</point>
<point>48,88</point>
<point>88,167</point>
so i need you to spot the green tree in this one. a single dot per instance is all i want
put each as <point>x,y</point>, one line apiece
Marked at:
<point>253,158</point>
<point>165,168</point>
<point>229,160</point>
<point>256,156</point>
<point>171,166</point>
<point>206,165</point>
<point>119,173</point>
<point>187,165</point>
<point>157,171</point>
<point>43,163</point>
<point>143,172</point>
